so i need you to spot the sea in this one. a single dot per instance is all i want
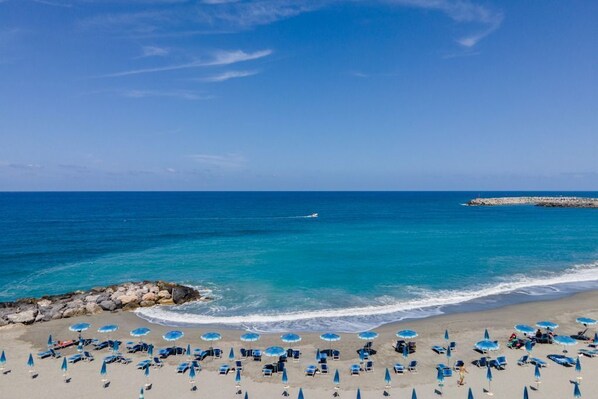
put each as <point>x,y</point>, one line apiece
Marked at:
<point>270,264</point>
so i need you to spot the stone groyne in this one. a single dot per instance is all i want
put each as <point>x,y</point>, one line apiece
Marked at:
<point>549,202</point>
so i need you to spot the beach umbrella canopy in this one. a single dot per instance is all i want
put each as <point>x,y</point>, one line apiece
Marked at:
<point>487,345</point>
<point>446,335</point>
<point>537,374</point>
<point>547,324</point>
<point>103,369</point>
<point>586,321</point>
<point>3,358</point>
<point>140,332</point>
<point>50,340</point>
<point>108,328</point>
<point>300,396</point>
<point>407,334</point>
<point>387,377</point>
<point>330,337</point>
<point>173,335</point>
<point>231,354</point>
<point>525,329</point>
<point>192,374</point>
<point>250,337</point>
<point>285,378</point>
<point>79,327</point>
<point>525,394</point>
<point>564,340</point>
<point>290,338</point>
<point>337,378</point>
<point>486,334</point>
<point>30,362</point>
<point>358,393</point>
<point>211,336</point>
<point>141,394</point>
<point>367,335</point>
<point>413,394</point>
<point>470,394</point>
<point>64,366</point>
<point>576,391</point>
<point>274,351</point>
<point>529,346</point>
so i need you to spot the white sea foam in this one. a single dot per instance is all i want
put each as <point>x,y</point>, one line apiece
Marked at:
<point>427,303</point>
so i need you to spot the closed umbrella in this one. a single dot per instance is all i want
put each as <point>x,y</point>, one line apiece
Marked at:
<point>337,378</point>
<point>387,379</point>
<point>231,354</point>
<point>578,368</point>
<point>188,350</point>
<point>489,378</point>
<point>446,335</point>
<point>64,368</point>
<point>115,346</point>
<point>405,351</point>
<point>440,378</point>
<point>50,341</point>
<point>576,391</point>
<point>413,394</point>
<point>150,350</point>
<point>449,354</point>
<point>147,376</point>
<point>358,394</point>
<point>470,394</point>
<point>525,393</point>
<point>30,361</point>
<point>537,376</point>
<point>300,396</point>
<point>141,396</point>
<point>2,361</point>
<point>486,334</point>
<point>529,346</point>
<point>103,372</point>
<point>285,382</point>
<point>192,375</point>
<point>246,395</point>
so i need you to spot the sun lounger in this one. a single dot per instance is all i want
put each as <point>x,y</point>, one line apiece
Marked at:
<point>165,352</point>
<point>399,368</point>
<point>563,360</point>
<point>257,355</point>
<point>110,359</point>
<point>88,357</point>
<point>336,355</point>
<point>311,370</point>
<point>412,366</point>
<point>183,367</point>
<point>75,358</point>
<point>539,362</point>
<point>101,345</point>
<point>324,368</point>
<point>144,364</point>
<point>500,363</point>
<point>48,353</point>
<point>482,362</point>
<point>363,354</point>
<point>64,344</point>
<point>439,349</point>
<point>581,336</point>
<point>369,366</point>
<point>296,355</point>
<point>588,352</point>
<point>523,360</point>
<point>355,369</point>
<point>446,370</point>
<point>124,360</point>
<point>157,362</point>
<point>453,346</point>
<point>224,369</point>
<point>458,365</point>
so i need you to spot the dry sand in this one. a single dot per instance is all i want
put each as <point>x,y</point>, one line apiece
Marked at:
<point>465,328</point>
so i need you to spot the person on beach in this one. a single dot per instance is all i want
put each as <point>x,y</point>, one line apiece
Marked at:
<point>462,372</point>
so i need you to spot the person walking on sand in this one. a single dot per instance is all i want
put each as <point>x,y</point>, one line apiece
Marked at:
<point>462,372</point>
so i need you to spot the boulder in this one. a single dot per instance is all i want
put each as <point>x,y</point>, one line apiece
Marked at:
<point>73,312</point>
<point>127,299</point>
<point>92,298</point>
<point>166,301</point>
<point>44,303</point>
<point>25,317</point>
<point>164,294</point>
<point>93,308</point>
<point>150,296</point>
<point>108,305</point>
<point>145,304</point>
<point>182,294</point>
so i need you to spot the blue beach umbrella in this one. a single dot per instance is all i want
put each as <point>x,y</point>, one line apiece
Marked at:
<point>192,375</point>
<point>525,393</point>
<point>79,328</point>
<point>489,377</point>
<point>413,394</point>
<point>487,345</point>
<point>586,321</point>
<point>103,370</point>
<point>172,336</point>
<point>188,350</point>
<point>330,337</point>
<point>146,372</point>
<point>537,374</point>
<point>250,337</point>
<point>2,359</point>
<point>407,334</point>
<point>30,362</point>
<point>150,350</point>
<point>318,355</point>
<point>108,328</point>
<point>274,351</point>
<point>361,356</point>
<point>549,325</point>
<point>246,395</point>
<point>290,338</point>
<point>449,354</point>
<point>211,336</point>
<point>140,332</point>
<point>141,396</point>
<point>440,376</point>
<point>486,334</point>
<point>576,391</point>
<point>300,396</point>
<point>529,346</point>
<point>358,394</point>
<point>470,394</point>
<point>367,335</point>
<point>405,351</point>
<point>337,378</point>
<point>64,366</point>
<point>50,341</point>
<point>525,329</point>
<point>578,367</point>
<point>565,341</point>
<point>238,377</point>
<point>387,379</point>
<point>231,354</point>
<point>115,346</point>
<point>285,378</point>
<point>446,335</point>
<point>595,338</point>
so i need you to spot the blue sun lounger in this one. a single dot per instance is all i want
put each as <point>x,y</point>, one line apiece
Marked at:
<point>311,370</point>
<point>482,362</point>
<point>523,360</point>
<point>324,368</point>
<point>588,352</point>
<point>49,353</point>
<point>224,369</point>
<point>144,364</point>
<point>158,363</point>
<point>439,349</point>
<point>369,366</point>
<point>458,365</point>
<point>563,360</point>
<point>75,358</point>
<point>500,363</point>
<point>399,368</point>
<point>355,369</point>
<point>539,362</point>
<point>183,367</point>
<point>412,366</point>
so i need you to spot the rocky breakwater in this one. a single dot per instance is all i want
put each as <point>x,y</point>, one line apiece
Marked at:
<point>549,202</point>
<point>127,296</point>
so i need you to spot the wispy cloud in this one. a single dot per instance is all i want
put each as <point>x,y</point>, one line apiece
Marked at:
<point>227,75</point>
<point>64,4</point>
<point>154,51</point>
<point>219,59</point>
<point>182,94</point>
<point>221,161</point>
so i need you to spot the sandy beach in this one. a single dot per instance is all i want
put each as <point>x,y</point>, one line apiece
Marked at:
<point>465,328</point>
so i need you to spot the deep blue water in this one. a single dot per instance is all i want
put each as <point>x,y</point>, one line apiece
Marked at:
<point>369,258</point>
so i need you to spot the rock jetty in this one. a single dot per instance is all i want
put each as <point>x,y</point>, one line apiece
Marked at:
<point>549,202</point>
<point>126,296</point>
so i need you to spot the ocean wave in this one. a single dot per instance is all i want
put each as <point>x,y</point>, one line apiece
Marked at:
<point>425,304</point>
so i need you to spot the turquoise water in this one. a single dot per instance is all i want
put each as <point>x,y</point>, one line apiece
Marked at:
<point>368,259</point>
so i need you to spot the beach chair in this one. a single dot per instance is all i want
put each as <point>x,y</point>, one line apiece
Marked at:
<point>539,362</point>
<point>355,369</point>
<point>481,362</point>
<point>224,369</point>
<point>581,336</point>
<point>296,355</point>
<point>183,367</point>
<point>123,360</point>
<point>562,360</point>
<point>458,365</point>
<point>439,349</point>
<point>412,367</point>
<point>88,357</point>
<point>369,366</point>
<point>523,360</point>
<point>101,345</point>
<point>165,352</point>
<point>399,368</point>
<point>158,363</point>
<point>446,370</point>
<point>110,359</point>
<point>324,368</point>
<point>336,355</point>
<point>239,366</point>
<point>49,353</point>
<point>142,365</point>
<point>453,346</point>
<point>363,354</point>
<point>311,370</point>
<point>257,355</point>
<point>75,358</point>
<point>588,352</point>
<point>267,371</point>
<point>217,353</point>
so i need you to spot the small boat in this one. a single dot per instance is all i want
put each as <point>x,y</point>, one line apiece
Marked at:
<point>313,215</point>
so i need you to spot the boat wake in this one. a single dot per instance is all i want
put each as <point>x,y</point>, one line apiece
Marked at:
<point>422,304</point>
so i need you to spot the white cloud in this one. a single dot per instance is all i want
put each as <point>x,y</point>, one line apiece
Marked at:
<point>219,59</point>
<point>154,51</point>
<point>182,94</point>
<point>221,161</point>
<point>227,75</point>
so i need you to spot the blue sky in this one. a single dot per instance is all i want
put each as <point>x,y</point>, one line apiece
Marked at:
<point>298,95</point>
